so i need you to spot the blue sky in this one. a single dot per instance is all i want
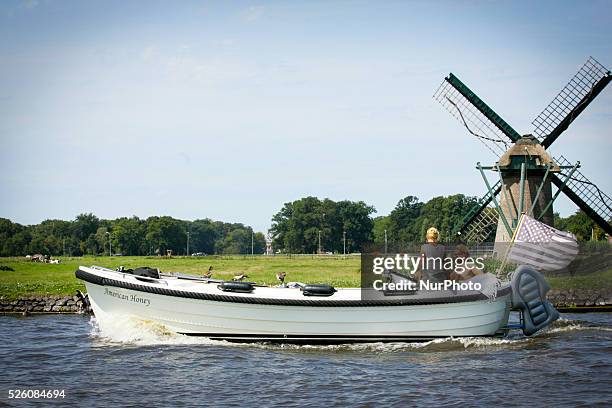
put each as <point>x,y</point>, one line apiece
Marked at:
<point>227,110</point>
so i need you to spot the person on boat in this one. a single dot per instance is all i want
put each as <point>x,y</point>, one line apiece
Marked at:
<point>433,255</point>
<point>463,273</point>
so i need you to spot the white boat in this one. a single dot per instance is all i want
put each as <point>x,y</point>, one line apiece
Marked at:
<point>246,312</point>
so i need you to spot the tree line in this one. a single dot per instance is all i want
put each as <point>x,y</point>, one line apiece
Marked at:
<point>307,225</point>
<point>310,225</point>
<point>89,235</point>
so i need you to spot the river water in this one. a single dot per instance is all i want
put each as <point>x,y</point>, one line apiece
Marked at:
<point>130,363</point>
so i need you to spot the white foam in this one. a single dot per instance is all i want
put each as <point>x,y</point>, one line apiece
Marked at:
<point>131,330</point>
<point>563,325</point>
<point>134,331</point>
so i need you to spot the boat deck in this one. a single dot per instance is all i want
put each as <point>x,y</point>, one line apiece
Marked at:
<point>208,290</point>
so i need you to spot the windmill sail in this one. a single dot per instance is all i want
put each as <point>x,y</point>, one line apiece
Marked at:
<point>588,82</point>
<point>475,224</point>
<point>482,227</point>
<point>587,196</point>
<point>475,115</point>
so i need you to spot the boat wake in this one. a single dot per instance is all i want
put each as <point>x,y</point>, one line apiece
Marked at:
<point>563,325</point>
<point>124,330</point>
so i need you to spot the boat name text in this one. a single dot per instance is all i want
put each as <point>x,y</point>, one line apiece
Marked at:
<point>131,298</point>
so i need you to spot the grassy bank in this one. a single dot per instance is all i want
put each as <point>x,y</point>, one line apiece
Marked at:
<point>596,280</point>
<point>29,278</point>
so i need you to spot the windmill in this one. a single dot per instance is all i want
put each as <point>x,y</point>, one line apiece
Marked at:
<point>525,170</point>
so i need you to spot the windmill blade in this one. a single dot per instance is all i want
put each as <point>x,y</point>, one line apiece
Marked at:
<point>482,227</point>
<point>587,196</point>
<point>473,217</point>
<point>475,115</point>
<point>579,92</point>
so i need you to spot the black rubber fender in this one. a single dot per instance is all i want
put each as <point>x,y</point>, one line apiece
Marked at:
<point>318,290</point>
<point>239,287</point>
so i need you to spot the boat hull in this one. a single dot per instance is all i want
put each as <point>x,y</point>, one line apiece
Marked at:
<point>302,324</point>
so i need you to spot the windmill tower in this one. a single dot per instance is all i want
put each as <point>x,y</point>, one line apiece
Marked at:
<point>525,170</point>
<point>525,186</point>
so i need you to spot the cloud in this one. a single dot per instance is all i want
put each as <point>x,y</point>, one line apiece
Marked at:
<point>30,4</point>
<point>253,13</point>
<point>149,52</point>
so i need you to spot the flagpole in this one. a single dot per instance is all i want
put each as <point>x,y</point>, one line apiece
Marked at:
<point>505,258</point>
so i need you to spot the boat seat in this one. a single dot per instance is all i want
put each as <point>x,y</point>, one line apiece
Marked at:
<point>318,290</point>
<point>529,296</point>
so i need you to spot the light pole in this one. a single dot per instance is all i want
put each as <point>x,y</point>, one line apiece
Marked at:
<point>385,241</point>
<point>252,242</point>
<point>322,224</point>
<point>187,243</point>
<point>344,243</point>
<point>110,245</point>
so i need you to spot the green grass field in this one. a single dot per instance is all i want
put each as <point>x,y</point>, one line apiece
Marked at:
<point>30,278</point>
<point>596,280</point>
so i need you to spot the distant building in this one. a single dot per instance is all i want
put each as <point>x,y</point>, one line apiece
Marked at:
<point>269,250</point>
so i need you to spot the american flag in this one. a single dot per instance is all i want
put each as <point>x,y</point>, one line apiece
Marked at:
<point>542,246</point>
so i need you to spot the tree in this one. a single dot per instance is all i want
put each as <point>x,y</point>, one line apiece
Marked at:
<point>203,234</point>
<point>8,228</point>
<point>100,242</point>
<point>13,238</point>
<point>381,224</point>
<point>410,219</point>
<point>299,225</point>
<point>259,243</point>
<point>47,237</point>
<point>84,226</point>
<point>18,244</point>
<point>355,224</point>
<point>128,236</point>
<point>443,213</point>
<point>580,225</point>
<point>402,220</point>
<point>237,241</point>
<point>165,233</point>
